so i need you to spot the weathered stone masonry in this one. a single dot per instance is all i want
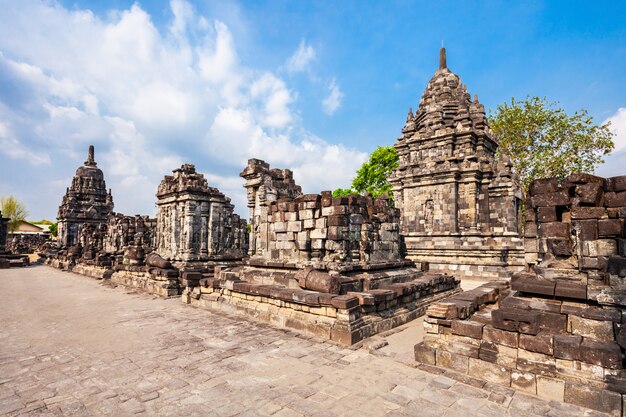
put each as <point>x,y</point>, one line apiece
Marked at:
<point>460,206</point>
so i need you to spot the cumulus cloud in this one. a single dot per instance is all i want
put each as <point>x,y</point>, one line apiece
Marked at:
<point>149,98</point>
<point>301,58</point>
<point>333,101</point>
<point>618,126</point>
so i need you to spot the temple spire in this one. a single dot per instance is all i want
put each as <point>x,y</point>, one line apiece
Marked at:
<point>442,58</point>
<point>90,157</point>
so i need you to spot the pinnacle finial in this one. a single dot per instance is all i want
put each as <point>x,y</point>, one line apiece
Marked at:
<point>442,58</point>
<point>90,157</point>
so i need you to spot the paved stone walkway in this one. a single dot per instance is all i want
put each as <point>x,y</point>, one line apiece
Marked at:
<point>72,346</point>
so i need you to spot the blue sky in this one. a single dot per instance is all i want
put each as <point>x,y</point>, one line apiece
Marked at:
<point>312,86</point>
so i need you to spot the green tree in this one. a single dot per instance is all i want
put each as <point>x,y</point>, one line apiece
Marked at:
<point>372,176</point>
<point>13,209</point>
<point>53,229</point>
<point>543,141</point>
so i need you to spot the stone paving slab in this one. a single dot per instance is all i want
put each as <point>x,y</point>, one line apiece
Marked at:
<point>72,346</point>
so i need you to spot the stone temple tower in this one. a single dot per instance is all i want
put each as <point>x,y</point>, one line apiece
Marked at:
<point>196,224</point>
<point>86,201</point>
<point>460,205</point>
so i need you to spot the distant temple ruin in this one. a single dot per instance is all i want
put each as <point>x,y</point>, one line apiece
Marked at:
<point>460,206</point>
<point>86,201</point>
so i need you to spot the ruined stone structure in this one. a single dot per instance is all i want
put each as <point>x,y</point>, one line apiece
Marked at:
<point>460,206</point>
<point>332,267</point>
<point>316,229</point>
<point>195,222</point>
<point>4,230</point>
<point>560,330</point>
<point>263,186</point>
<point>85,202</point>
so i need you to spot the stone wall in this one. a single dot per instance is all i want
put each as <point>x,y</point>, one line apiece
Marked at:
<point>318,229</point>
<point>263,186</point>
<point>195,222</point>
<point>560,330</point>
<point>460,205</point>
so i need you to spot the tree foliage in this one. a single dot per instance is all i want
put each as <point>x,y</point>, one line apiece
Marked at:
<point>13,209</point>
<point>543,141</point>
<point>54,227</point>
<point>372,176</point>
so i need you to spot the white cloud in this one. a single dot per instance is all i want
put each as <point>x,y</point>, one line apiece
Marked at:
<point>301,59</point>
<point>618,126</point>
<point>333,101</point>
<point>149,100</point>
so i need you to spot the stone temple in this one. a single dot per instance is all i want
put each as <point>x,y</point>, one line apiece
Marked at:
<point>86,201</point>
<point>460,205</point>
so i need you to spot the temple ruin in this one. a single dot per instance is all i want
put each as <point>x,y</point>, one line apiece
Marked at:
<point>557,331</point>
<point>329,266</point>
<point>550,321</point>
<point>460,204</point>
<point>86,201</point>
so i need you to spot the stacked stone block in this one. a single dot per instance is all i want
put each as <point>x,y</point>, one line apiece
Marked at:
<point>560,330</point>
<point>316,228</point>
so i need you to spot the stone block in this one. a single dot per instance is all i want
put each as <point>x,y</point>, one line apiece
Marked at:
<point>567,347</point>
<point>490,372</point>
<point>605,354</point>
<point>530,229</point>
<point>560,247</point>
<point>467,328</point>
<point>586,213</point>
<point>606,247</point>
<point>540,343</point>
<point>344,302</point>
<point>616,183</point>
<point>550,388</point>
<point>521,321</point>
<point>590,193</point>
<point>424,354</point>
<point>587,229</point>
<point>527,303</point>
<point>533,286</point>
<point>594,398</point>
<point>503,337</point>
<point>442,310</point>
<point>615,199</point>
<point>595,329</point>
<point>610,228</point>
<point>454,361</point>
<point>537,363</point>
<point>554,230</point>
<point>543,186</point>
<point>571,289</point>
<point>524,381</point>
<point>617,266</point>
<point>558,198</point>
<point>546,214</point>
